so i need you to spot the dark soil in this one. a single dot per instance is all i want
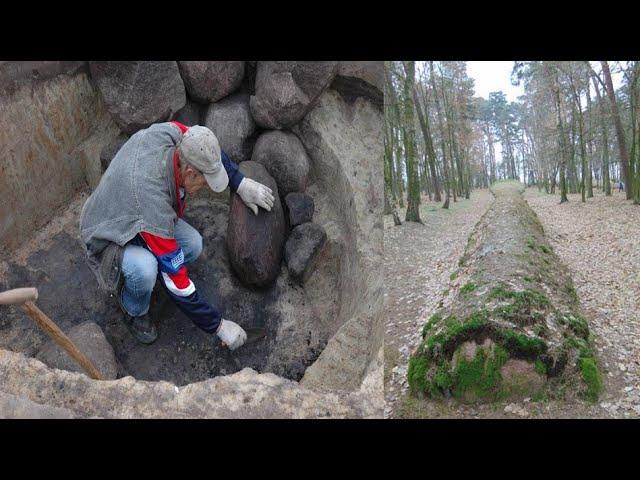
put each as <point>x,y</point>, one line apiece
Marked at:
<point>182,354</point>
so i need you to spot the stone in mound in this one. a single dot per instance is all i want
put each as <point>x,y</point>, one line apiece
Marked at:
<point>302,249</point>
<point>208,82</point>
<point>231,121</point>
<point>255,242</point>
<point>361,79</point>
<point>90,340</point>
<point>191,114</point>
<point>139,94</point>
<point>285,91</point>
<point>300,208</point>
<point>285,158</point>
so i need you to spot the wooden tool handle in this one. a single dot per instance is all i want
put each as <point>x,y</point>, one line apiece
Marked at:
<point>18,296</point>
<point>60,338</point>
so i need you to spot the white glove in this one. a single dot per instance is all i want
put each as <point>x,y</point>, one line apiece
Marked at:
<point>231,334</point>
<point>255,195</point>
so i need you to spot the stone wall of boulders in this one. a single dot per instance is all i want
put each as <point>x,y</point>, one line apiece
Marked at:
<point>251,107</point>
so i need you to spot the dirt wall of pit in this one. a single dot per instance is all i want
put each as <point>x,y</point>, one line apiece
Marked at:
<point>54,124</point>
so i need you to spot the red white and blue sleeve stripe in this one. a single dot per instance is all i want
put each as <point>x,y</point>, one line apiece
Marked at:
<point>175,279</point>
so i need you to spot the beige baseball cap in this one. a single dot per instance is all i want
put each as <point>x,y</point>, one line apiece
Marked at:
<point>200,147</point>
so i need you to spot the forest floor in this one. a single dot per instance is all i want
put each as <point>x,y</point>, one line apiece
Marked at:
<point>599,243</point>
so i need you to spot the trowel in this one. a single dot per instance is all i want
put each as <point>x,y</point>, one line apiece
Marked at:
<point>254,334</point>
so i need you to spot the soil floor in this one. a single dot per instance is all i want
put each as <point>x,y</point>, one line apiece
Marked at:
<point>599,243</point>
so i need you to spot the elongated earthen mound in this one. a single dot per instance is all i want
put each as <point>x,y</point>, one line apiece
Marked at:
<point>511,324</point>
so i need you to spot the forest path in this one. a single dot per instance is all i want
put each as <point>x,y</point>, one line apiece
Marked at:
<point>600,244</point>
<point>418,262</point>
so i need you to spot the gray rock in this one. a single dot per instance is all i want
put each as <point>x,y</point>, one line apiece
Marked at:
<point>285,91</point>
<point>13,407</point>
<point>139,94</point>
<point>231,121</point>
<point>191,114</point>
<point>109,151</point>
<point>300,208</point>
<point>302,248</point>
<point>208,82</point>
<point>90,340</point>
<point>255,242</point>
<point>361,79</point>
<point>285,158</point>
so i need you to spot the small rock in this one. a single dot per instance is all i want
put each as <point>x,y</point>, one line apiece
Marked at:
<point>90,340</point>
<point>302,248</point>
<point>300,207</point>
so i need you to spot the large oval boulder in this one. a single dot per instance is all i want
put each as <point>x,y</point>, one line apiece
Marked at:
<point>255,242</point>
<point>285,91</point>
<point>139,94</point>
<point>285,158</point>
<point>208,82</point>
<point>231,121</point>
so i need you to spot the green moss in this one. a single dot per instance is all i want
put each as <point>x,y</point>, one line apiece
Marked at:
<point>591,377</point>
<point>442,381</point>
<point>579,344</point>
<point>576,323</point>
<point>524,345</point>
<point>531,244</point>
<point>455,328</point>
<point>540,367</point>
<point>526,298</point>
<point>479,379</point>
<point>435,318</point>
<point>453,276</point>
<point>417,374</point>
<point>545,249</point>
<point>468,288</point>
<point>572,293</point>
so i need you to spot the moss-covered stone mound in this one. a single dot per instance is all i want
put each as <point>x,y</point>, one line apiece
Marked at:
<point>510,324</point>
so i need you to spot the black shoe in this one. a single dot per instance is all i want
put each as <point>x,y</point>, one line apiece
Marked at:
<point>142,327</point>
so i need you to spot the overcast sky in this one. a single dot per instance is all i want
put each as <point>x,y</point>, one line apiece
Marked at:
<point>496,76</point>
<point>493,77</point>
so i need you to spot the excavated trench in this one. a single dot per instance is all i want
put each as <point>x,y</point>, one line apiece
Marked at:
<point>300,319</point>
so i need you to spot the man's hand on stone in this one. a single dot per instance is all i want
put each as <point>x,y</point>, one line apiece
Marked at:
<point>255,194</point>
<point>231,334</point>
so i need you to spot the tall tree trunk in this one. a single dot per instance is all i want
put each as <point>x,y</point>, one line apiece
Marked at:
<point>443,147</point>
<point>413,182</point>
<point>606,181</point>
<point>428,142</point>
<point>622,146</point>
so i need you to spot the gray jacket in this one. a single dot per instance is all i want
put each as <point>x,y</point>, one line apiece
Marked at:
<point>136,193</point>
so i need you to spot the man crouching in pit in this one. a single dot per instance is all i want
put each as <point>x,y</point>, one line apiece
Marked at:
<point>133,230</point>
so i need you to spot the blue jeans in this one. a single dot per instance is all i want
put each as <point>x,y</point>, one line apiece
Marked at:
<point>140,267</point>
